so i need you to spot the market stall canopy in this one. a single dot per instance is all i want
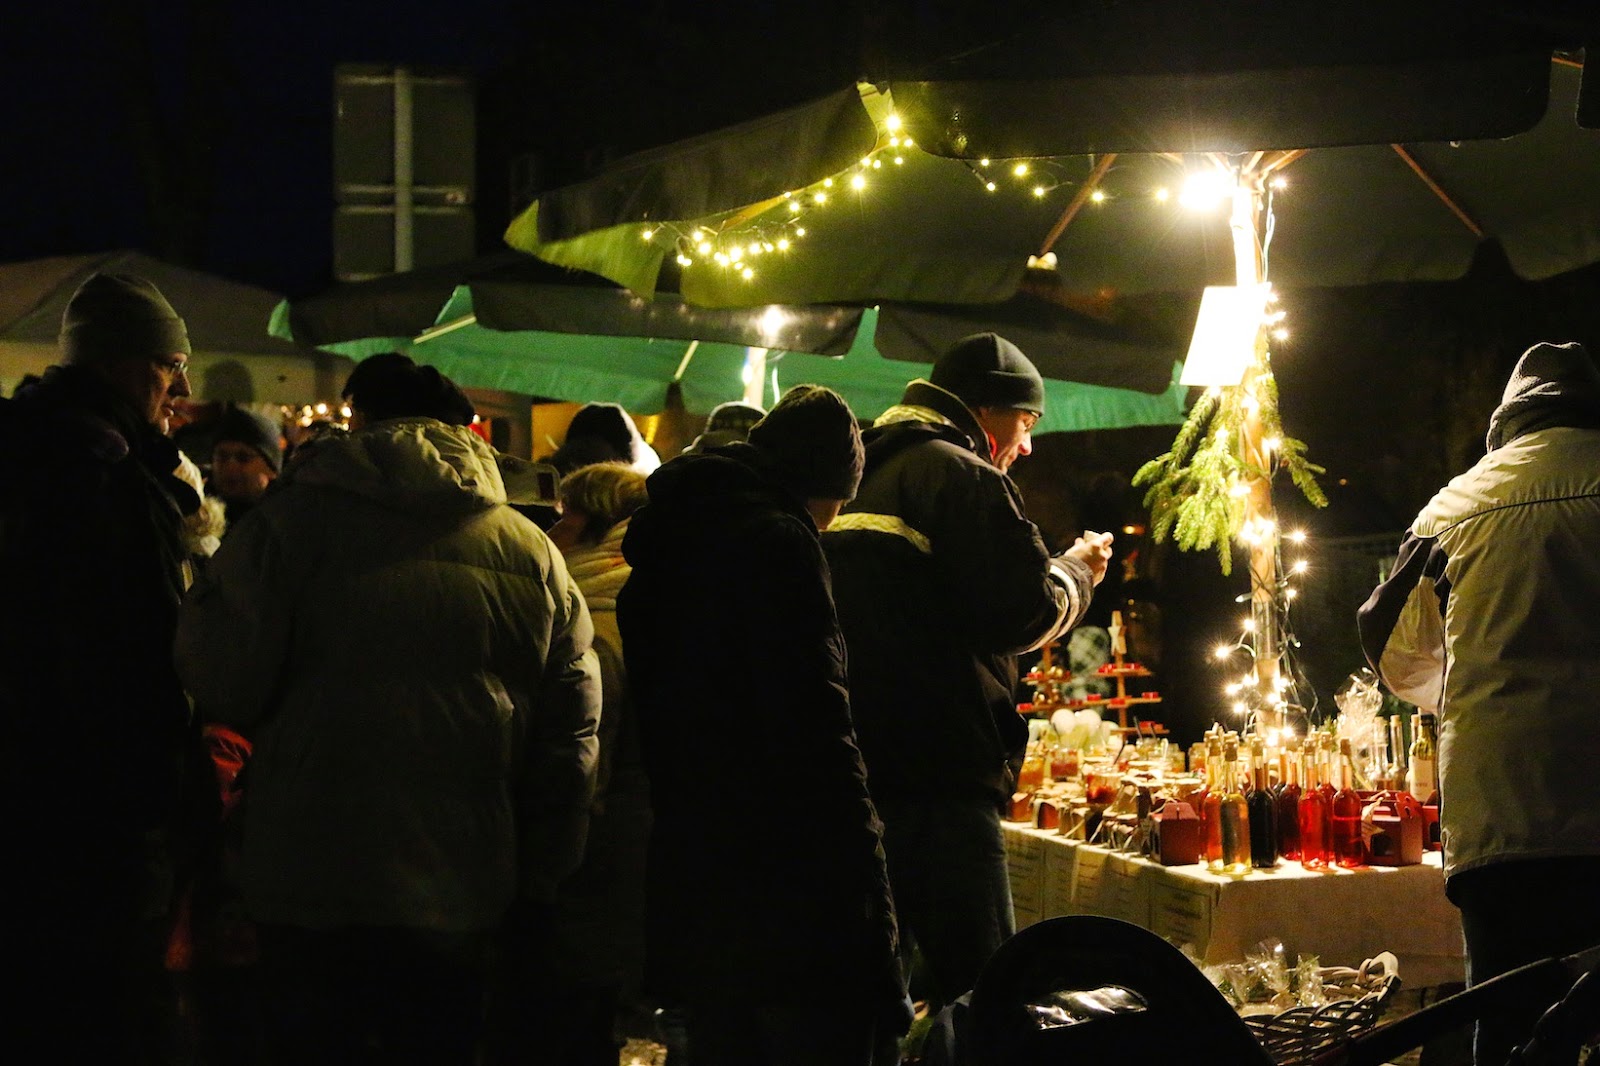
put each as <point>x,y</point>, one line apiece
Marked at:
<point>638,372</point>
<point>512,291</point>
<point>234,359</point>
<point>947,199</point>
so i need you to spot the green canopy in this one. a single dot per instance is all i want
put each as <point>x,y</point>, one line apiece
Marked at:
<point>637,371</point>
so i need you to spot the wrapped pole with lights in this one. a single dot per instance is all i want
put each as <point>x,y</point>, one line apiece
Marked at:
<point>1214,488</point>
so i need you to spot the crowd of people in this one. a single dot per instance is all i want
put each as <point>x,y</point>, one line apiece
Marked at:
<point>357,755</point>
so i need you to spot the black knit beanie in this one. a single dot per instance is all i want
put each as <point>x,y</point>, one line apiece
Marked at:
<point>812,438</point>
<point>727,423</point>
<point>986,370</point>
<point>256,430</point>
<point>119,316</point>
<point>392,385</point>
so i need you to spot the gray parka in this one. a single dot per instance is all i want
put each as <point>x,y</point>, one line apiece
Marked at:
<point>413,665</point>
<point>1490,619</point>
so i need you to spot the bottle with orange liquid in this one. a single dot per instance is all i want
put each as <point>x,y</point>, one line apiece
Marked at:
<point>1211,810</point>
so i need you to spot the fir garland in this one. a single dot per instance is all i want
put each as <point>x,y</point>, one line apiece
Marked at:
<point>1196,492</point>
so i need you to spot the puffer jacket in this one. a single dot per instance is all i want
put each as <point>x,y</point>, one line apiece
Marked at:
<point>412,663</point>
<point>941,581</point>
<point>1489,619</point>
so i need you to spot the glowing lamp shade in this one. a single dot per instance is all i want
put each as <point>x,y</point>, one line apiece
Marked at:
<point>1225,334</point>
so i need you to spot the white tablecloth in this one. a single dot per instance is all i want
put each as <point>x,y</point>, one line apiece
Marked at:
<point>1341,916</point>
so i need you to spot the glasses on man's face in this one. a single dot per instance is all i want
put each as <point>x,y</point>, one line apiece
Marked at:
<point>1029,420</point>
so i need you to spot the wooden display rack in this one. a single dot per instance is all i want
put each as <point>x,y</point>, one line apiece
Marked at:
<point>1047,679</point>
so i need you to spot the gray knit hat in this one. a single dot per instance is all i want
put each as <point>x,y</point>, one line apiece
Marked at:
<point>986,370</point>
<point>120,316</point>
<point>1552,385</point>
<point>256,430</point>
<point>813,440</point>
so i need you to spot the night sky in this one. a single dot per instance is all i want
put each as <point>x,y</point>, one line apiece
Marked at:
<point>201,130</point>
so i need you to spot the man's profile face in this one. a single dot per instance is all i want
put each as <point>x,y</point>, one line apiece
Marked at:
<point>1012,430</point>
<point>239,473</point>
<point>151,385</point>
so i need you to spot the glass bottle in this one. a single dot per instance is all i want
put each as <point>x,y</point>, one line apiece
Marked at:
<point>1235,815</point>
<point>1313,814</point>
<point>1397,744</point>
<point>1211,810</point>
<point>1422,780</point>
<point>1031,777</point>
<point>1349,845</point>
<point>1288,803</point>
<point>1262,807</point>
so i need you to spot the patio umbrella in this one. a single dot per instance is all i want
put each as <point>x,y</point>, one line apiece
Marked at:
<point>232,360</point>
<point>513,291</point>
<point>639,371</point>
<point>903,224</point>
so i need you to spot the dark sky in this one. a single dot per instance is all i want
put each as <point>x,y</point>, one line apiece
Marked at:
<point>201,130</point>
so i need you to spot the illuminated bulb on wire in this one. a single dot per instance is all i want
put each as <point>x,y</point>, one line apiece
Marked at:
<point>1098,196</point>
<point>1222,651</point>
<point>1290,594</point>
<point>1239,708</point>
<point>1249,625</point>
<point>1272,444</point>
<point>322,408</point>
<point>648,234</point>
<point>827,183</point>
<point>894,142</point>
<point>1280,334</point>
<point>747,273</point>
<point>704,248</point>
<point>783,244</point>
<point>989,185</point>
<point>1020,170</point>
<point>892,122</point>
<point>1300,566</point>
<point>983,162</point>
<point>1298,536</point>
<point>1038,190</point>
<point>858,183</point>
<point>1162,195</point>
<point>1280,182</point>
<point>877,164</point>
<point>899,160</point>
<point>820,197</point>
<point>799,231</point>
<point>794,207</point>
<point>684,260</point>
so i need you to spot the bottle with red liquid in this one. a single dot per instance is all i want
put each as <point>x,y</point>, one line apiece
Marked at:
<point>1314,809</point>
<point>1349,845</point>
<point>1288,802</point>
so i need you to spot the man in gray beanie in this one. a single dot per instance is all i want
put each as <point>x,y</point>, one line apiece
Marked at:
<point>246,457</point>
<point>941,582</point>
<point>1488,621</point>
<point>767,889</point>
<point>96,731</point>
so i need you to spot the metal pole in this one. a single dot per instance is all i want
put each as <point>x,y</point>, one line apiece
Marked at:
<point>404,255</point>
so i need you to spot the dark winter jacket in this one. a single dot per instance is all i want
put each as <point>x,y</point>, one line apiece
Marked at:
<point>1490,619</point>
<point>941,581</point>
<point>412,664</point>
<point>94,725</point>
<point>766,875</point>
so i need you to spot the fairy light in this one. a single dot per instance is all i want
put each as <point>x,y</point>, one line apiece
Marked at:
<point>892,123</point>
<point>1298,536</point>
<point>704,247</point>
<point>747,273</point>
<point>1249,625</point>
<point>794,207</point>
<point>858,182</point>
<point>1098,196</point>
<point>1272,444</point>
<point>991,186</point>
<point>1039,191</point>
<point>1280,334</point>
<point>1222,651</point>
<point>783,244</point>
<point>648,235</point>
<point>1162,195</point>
<point>1020,170</point>
<point>820,197</point>
<point>1300,566</point>
<point>983,162</point>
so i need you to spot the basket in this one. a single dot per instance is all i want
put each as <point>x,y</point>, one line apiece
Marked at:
<point>1300,1034</point>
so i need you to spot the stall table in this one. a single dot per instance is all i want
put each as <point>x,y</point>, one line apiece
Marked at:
<point>1341,916</point>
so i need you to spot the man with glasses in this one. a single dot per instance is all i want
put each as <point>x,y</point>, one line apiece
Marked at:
<point>941,581</point>
<point>95,729</point>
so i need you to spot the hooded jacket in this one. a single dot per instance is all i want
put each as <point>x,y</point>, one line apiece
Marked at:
<point>1489,619</point>
<point>412,663</point>
<point>767,876</point>
<point>941,581</point>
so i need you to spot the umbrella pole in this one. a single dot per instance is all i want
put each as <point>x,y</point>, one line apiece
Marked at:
<point>1260,530</point>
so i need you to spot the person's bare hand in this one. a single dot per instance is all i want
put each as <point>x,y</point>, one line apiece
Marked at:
<point>1095,550</point>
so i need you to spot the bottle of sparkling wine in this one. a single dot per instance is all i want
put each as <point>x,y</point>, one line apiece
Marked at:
<point>1349,845</point>
<point>1313,814</point>
<point>1235,815</point>
<point>1288,803</point>
<point>1262,807</point>
<point>1422,780</point>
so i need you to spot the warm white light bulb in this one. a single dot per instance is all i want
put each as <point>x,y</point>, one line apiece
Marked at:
<point>1205,189</point>
<point>989,185</point>
<point>648,234</point>
<point>820,197</point>
<point>892,122</point>
<point>1020,170</point>
<point>1098,196</point>
<point>1222,651</point>
<point>858,183</point>
<point>1039,190</point>
<point>1162,195</point>
<point>1300,566</point>
<point>1298,536</point>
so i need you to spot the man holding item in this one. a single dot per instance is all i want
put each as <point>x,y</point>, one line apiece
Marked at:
<point>941,582</point>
